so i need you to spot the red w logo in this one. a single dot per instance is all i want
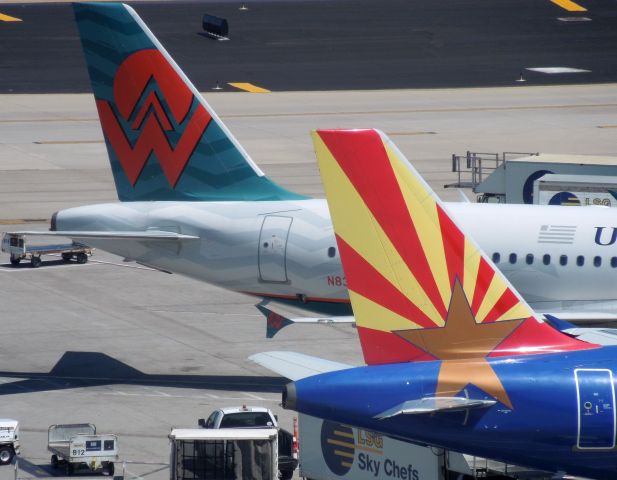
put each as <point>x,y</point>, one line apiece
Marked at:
<point>152,119</point>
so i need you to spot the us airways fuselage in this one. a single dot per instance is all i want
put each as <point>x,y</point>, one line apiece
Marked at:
<point>559,258</point>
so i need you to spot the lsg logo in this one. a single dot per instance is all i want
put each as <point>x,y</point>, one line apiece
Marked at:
<point>342,448</point>
<point>606,236</point>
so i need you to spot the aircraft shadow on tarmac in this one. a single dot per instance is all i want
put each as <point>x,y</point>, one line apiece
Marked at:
<point>89,369</point>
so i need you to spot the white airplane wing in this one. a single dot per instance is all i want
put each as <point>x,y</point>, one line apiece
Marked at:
<point>296,366</point>
<point>581,316</point>
<point>111,235</point>
<point>599,336</point>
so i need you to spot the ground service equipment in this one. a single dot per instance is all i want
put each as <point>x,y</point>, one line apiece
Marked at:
<point>9,440</point>
<point>16,245</point>
<point>229,453</point>
<point>78,446</point>
<point>257,417</point>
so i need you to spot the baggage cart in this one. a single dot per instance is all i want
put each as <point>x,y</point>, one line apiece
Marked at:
<point>17,247</point>
<point>77,446</point>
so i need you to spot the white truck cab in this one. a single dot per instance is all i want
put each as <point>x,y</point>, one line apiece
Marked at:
<point>9,440</point>
<point>240,417</point>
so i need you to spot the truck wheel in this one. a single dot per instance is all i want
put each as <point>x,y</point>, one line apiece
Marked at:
<point>6,455</point>
<point>108,469</point>
<point>54,461</point>
<point>15,260</point>
<point>81,257</point>
<point>67,256</point>
<point>69,469</point>
<point>286,474</point>
<point>35,261</point>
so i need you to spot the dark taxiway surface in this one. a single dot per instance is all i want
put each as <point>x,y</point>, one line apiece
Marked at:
<point>334,44</point>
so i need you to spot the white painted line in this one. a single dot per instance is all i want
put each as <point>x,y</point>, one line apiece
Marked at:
<point>574,19</point>
<point>171,396</point>
<point>125,265</point>
<point>254,397</point>
<point>554,70</point>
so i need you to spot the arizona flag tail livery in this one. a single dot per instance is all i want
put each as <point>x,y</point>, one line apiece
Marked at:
<point>420,289</point>
<point>163,139</point>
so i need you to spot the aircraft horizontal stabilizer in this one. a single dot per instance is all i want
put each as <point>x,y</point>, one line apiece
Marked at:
<point>110,235</point>
<point>275,322</point>
<point>434,405</point>
<point>296,366</point>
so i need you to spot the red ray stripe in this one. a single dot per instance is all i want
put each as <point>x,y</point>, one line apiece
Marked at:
<point>365,280</point>
<point>361,152</point>
<point>383,347</point>
<point>485,276</point>
<point>505,303</point>
<point>454,247</point>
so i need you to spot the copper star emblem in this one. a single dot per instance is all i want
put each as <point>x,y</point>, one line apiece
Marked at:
<point>463,345</point>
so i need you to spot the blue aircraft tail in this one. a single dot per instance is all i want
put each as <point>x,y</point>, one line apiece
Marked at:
<point>164,141</point>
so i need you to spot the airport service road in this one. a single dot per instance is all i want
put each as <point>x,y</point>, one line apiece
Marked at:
<point>137,351</point>
<point>52,153</point>
<point>334,44</point>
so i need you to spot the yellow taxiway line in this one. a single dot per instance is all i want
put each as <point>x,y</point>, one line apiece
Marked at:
<point>249,87</point>
<point>8,18</point>
<point>569,5</point>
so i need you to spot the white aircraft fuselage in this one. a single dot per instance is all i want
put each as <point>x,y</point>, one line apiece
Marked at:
<point>286,250</point>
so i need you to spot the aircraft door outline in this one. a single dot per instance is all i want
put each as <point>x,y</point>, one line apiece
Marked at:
<point>597,420</point>
<point>272,249</point>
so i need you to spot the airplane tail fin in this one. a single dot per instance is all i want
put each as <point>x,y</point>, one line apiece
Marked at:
<point>420,288</point>
<point>164,141</point>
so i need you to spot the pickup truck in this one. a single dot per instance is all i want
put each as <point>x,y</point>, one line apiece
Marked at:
<point>257,417</point>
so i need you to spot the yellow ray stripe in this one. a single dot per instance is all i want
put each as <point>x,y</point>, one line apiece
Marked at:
<point>249,87</point>
<point>8,18</point>
<point>472,265</point>
<point>343,434</point>
<point>346,464</point>
<point>353,219</point>
<point>517,311</point>
<point>366,311</point>
<point>493,294</point>
<point>423,209</point>
<point>569,5</point>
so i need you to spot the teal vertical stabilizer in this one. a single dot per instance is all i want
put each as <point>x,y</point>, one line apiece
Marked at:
<point>164,141</point>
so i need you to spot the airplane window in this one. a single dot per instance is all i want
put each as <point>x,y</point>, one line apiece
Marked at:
<point>546,259</point>
<point>580,260</point>
<point>614,262</point>
<point>513,258</point>
<point>529,258</point>
<point>597,261</point>
<point>331,252</point>
<point>496,257</point>
<point>563,260</point>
